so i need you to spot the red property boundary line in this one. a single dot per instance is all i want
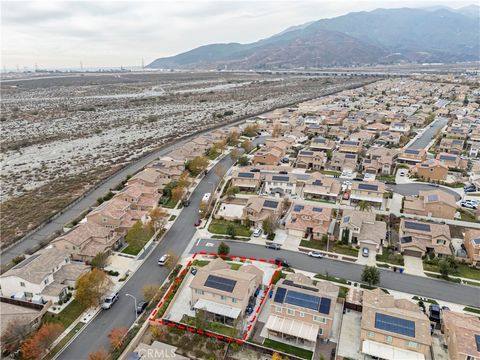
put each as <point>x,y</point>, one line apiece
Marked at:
<point>191,329</point>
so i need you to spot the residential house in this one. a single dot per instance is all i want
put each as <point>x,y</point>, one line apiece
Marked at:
<point>86,240</point>
<point>307,159</point>
<point>451,146</point>
<point>282,143</point>
<point>376,127</point>
<point>259,208</point>
<point>47,273</point>
<point>362,229</point>
<point>419,238</point>
<point>280,184</point>
<point>452,161</point>
<point>322,187</point>
<point>462,335</point>
<point>343,162</point>
<point>267,156</point>
<point>322,144</point>
<point>388,138</point>
<point>301,323</point>
<point>363,136</point>
<point>435,203</point>
<point>431,170</point>
<point>316,130</point>
<point>472,244</point>
<point>353,123</point>
<point>350,146</point>
<point>168,168</point>
<point>412,156</point>
<point>457,132</point>
<point>339,132</point>
<point>475,134</point>
<point>141,197</point>
<point>370,192</point>
<point>246,180</point>
<point>385,160</point>
<point>187,152</point>
<point>393,328</point>
<point>309,221</point>
<point>150,177</point>
<point>224,293</point>
<point>401,127</point>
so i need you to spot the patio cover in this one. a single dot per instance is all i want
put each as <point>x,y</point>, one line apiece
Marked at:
<point>384,351</point>
<point>216,308</point>
<point>292,327</point>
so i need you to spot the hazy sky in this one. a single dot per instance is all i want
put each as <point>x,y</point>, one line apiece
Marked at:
<point>113,33</point>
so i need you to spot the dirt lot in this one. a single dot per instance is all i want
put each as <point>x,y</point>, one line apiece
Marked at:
<point>67,133</point>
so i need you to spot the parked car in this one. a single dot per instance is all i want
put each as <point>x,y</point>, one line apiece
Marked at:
<point>198,222</point>
<point>141,306</point>
<point>315,254</point>
<point>434,185</point>
<point>282,262</point>
<point>163,260</point>
<point>109,301</point>
<point>469,189</point>
<point>254,170</point>
<point>365,252</point>
<point>434,313</point>
<point>273,246</point>
<point>469,204</point>
<point>402,173</point>
<point>257,232</point>
<point>390,182</point>
<point>186,203</point>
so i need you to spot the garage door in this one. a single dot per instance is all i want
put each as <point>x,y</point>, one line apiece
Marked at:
<point>411,252</point>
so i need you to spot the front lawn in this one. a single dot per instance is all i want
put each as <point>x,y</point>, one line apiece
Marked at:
<point>221,226</point>
<point>67,316</point>
<point>168,203</point>
<point>463,270</point>
<point>388,256</point>
<point>385,178</point>
<point>331,172</point>
<point>336,247</point>
<point>200,263</point>
<point>288,349</point>
<point>132,249</point>
<point>472,309</point>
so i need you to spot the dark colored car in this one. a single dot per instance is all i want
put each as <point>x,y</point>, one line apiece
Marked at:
<point>390,182</point>
<point>141,306</point>
<point>434,313</point>
<point>198,222</point>
<point>186,203</point>
<point>282,262</point>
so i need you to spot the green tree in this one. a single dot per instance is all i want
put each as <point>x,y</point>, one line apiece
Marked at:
<point>364,205</point>
<point>100,260</point>
<point>92,287</point>
<point>243,161</point>
<point>231,231</point>
<point>197,165</point>
<point>139,234</point>
<point>269,226</point>
<point>250,130</point>
<point>223,249</point>
<point>232,191</point>
<point>371,275</point>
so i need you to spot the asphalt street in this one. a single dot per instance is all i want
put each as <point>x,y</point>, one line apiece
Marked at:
<point>429,133</point>
<point>411,284</point>
<point>95,334</point>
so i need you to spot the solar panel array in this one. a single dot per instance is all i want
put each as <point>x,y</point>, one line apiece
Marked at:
<point>307,153</point>
<point>476,241</point>
<point>412,151</point>
<point>347,142</point>
<point>457,142</point>
<point>318,182</point>
<point>346,219</point>
<point>316,303</point>
<point>220,283</point>
<point>477,341</point>
<point>432,197</point>
<point>303,300</point>
<point>394,324</point>
<point>447,157</point>
<point>350,156</point>
<point>246,175</point>
<point>298,208</point>
<point>368,187</point>
<point>270,204</point>
<point>319,140</point>
<point>280,295</point>
<point>417,226</point>
<point>325,305</point>
<point>280,178</point>
<point>317,209</point>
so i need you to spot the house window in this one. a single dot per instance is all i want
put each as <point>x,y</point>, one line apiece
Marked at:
<point>370,334</point>
<point>320,331</point>
<point>290,312</point>
<point>46,281</point>
<point>412,344</point>
<point>222,298</point>
<point>302,314</point>
<point>278,309</point>
<point>320,319</point>
<point>388,339</point>
<point>200,292</point>
<point>234,300</point>
<point>22,284</point>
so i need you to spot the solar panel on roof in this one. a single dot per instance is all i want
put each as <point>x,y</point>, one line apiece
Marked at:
<point>280,295</point>
<point>447,157</point>
<point>319,141</point>
<point>307,153</point>
<point>270,204</point>
<point>477,341</point>
<point>411,151</point>
<point>300,286</point>
<point>348,142</point>
<point>298,208</point>
<point>368,187</point>
<point>456,142</point>
<point>220,283</point>
<point>317,182</point>
<point>304,300</point>
<point>280,178</point>
<point>394,324</point>
<point>325,305</point>
<point>350,156</point>
<point>317,209</point>
<point>246,175</point>
<point>476,241</point>
<point>417,226</point>
<point>432,197</point>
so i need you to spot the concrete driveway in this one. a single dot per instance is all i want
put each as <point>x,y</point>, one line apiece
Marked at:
<point>413,265</point>
<point>370,260</point>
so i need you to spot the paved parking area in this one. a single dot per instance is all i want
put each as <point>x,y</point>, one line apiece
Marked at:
<point>349,345</point>
<point>413,265</point>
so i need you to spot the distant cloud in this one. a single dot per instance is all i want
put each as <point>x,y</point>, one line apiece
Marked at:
<point>114,33</point>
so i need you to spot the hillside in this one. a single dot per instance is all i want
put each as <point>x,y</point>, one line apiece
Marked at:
<point>381,36</point>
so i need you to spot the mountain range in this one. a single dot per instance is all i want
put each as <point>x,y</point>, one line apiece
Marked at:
<point>381,36</point>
